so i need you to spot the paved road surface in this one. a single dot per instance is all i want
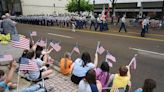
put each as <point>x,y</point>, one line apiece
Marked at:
<point>122,45</point>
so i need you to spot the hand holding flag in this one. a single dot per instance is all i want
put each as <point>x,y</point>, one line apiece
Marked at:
<point>100,49</point>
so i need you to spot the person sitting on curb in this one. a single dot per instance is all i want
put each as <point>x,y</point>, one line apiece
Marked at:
<point>66,64</point>
<point>121,80</point>
<point>81,67</point>
<point>89,83</point>
<point>102,74</point>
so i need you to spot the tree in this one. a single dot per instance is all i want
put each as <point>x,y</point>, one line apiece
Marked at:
<point>79,5</point>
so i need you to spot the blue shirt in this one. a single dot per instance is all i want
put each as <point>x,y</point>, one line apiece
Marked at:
<point>4,85</point>
<point>138,90</point>
<point>79,70</point>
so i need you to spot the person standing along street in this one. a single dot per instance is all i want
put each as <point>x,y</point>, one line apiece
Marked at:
<point>123,21</point>
<point>144,24</point>
<point>8,25</point>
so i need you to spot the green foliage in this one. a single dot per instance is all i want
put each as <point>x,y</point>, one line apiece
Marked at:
<point>72,6</point>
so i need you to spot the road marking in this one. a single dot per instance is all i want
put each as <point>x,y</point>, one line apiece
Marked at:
<point>151,52</point>
<point>60,35</point>
<point>139,33</point>
<point>126,36</point>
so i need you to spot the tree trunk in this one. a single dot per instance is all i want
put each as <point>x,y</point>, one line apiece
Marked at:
<point>113,6</point>
<point>78,6</point>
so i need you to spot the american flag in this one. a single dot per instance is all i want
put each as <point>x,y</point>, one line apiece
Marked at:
<point>21,42</point>
<point>41,43</point>
<point>110,63</point>
<point>108,11</point>
<point>55,46</point>
<point>76,49</point>
<point>133,64</point>
<point>6,58</point>
<point>33,33</point>
<point>101,50</point>
<point>27,64</point>
<point>110,57</point>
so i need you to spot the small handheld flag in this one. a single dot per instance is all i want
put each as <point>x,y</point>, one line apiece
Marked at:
<point>20,42</point>
<point>33,33</point>
<point>110,59</point>
<point>26,64</point>
<point>6,58</point>
<point>133,63</point>
<point>100,49</point>
<point>41,43</point>
<point>75,49</point>
<point>55,46</point>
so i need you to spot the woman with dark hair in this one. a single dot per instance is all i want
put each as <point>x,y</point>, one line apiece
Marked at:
<point>81,66</point>
<point>148,86</point>
<point>66,64</point>
<point>89,83</point>
<point>102,73</point>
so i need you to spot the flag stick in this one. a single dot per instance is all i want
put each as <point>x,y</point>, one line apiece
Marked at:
<point>98,44</point>
<point>18,78</point>
<point>106,55</point>
<point>132,60</point>
<point>32,40</point>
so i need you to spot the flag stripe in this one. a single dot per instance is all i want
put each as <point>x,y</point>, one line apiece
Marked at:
<point>33,33</point>
<point>22,43</point>
<point>101,50</point>
<point>31,65</point>
<point>6,58</point>
<point>55,46</point>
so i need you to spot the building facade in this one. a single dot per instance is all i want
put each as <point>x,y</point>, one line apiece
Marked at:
<point>131,8</point>
<point>10,6</point>
<point>36,7</point>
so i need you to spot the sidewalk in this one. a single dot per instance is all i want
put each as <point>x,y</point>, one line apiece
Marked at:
<point>58,81</point>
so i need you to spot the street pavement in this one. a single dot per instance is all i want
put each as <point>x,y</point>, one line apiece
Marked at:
<point>121,45</point>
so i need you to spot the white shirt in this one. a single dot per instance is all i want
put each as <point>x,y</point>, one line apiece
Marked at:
<point>79,70</point>
<point>84,87</point>
<point>144,22</point>
<point>123,19</point>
